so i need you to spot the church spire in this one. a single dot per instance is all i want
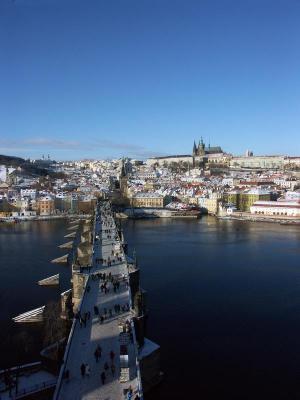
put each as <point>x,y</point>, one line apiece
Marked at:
<point>123,172</point>
<point>194,148</point>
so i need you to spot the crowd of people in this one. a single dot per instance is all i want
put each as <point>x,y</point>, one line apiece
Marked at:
<point>109,368</point>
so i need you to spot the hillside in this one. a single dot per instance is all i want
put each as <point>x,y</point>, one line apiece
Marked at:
<point>27,167</point>
<point>11,161</point>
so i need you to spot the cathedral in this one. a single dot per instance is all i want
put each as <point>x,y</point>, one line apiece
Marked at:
<point>202,154</point>
<point>202,151</point>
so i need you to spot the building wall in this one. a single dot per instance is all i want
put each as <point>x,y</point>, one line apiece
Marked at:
<point>209,204</point>
<point>169,160</point>
<point>87,207</point>
<point>45,207</point>
<point>263,162</point>
<point>150,202</point>
<point>243,201</point>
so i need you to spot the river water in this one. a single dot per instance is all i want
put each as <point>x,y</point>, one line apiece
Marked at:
<point>223,299</point>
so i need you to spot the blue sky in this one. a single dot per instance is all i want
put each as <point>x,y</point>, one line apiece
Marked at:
<point>98,79</point>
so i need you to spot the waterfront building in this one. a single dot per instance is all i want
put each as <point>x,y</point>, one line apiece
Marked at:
<point>87,205</point>
<point>210,204</point>
<point>45,205</point>
<point>276,208</point>
<point>150,200</point>
<point>62,202</point>
<point>243,200</point>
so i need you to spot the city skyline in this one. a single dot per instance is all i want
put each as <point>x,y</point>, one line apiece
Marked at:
<point>103,80</point>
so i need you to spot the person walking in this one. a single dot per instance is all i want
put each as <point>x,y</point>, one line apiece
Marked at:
<point>87,370</point>
<point>82,370</point>
<point>67,375</point>
<point>103,377</point>
<point>112,356</point>
<point>97,354</point>
<point>113,369</point>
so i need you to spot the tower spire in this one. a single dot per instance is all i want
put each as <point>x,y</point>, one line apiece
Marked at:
<point>194,148</point>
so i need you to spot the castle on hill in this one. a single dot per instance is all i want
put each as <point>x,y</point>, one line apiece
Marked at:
<point>199,157</point>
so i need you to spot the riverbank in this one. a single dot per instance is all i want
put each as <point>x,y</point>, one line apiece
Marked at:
<point>148,213</point>
<point>43,218</point>
<point>243,216</point>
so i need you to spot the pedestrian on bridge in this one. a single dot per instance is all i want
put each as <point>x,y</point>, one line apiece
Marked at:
<point>112,356</point>
<point>97,355</point>
<point>113,369</point>
<point>87,370</point>
<point>101,319</point>
<point>82,370</point>
<point>103,377</point>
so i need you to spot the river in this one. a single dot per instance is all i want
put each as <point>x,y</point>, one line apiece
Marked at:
<point>223,299</point>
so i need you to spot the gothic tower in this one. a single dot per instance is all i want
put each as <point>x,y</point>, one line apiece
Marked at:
<point>201,148</point>
<point>123,180</point>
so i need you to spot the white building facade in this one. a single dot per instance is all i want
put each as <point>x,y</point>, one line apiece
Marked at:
<point>276,208</point>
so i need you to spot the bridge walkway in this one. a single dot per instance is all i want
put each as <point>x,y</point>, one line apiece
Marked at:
<point>105,334</point>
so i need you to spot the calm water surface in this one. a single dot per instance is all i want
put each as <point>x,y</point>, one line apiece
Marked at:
<point>224,301</point>
<point>26,249</point>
